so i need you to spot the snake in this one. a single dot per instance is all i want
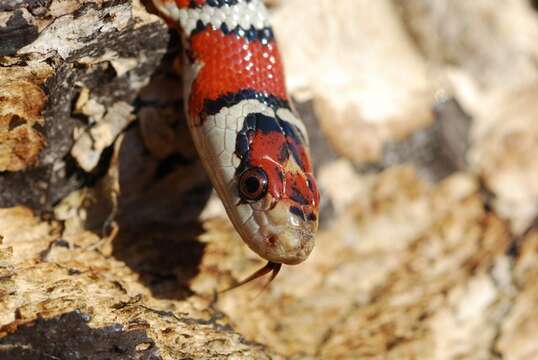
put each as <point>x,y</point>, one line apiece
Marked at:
<point>249,137</point>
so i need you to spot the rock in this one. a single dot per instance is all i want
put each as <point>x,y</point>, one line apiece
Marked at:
<point>402,273</point>
<point>367,81</point>
<point>53,290</point>
<point>21,119</point>
<point>518,332</point>
<point>504,144</point>
<point>104,50</point>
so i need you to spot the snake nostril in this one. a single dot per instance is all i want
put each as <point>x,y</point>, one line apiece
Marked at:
<point>272,240</point>
<point>298,212</point>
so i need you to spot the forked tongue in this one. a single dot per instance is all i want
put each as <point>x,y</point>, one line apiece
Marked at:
<point>269,267</point>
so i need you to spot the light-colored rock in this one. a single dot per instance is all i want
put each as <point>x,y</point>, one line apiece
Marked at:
<point>519,332</point>
<point>395,276</point>
<point>90,144</point>
<point>22,101</point>
<point>458,35</point>
<point>44,279</point>
<point>505,144</point>
<point>355,60</point>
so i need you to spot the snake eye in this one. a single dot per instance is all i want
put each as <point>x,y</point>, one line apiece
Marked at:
<point>253,184</point>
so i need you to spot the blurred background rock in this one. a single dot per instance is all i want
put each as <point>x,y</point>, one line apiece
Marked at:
<point>424,123</point>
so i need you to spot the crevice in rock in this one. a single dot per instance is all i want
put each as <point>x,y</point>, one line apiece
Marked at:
<point>534,4</point>
<point>68,337</point>
<point>438,150</point>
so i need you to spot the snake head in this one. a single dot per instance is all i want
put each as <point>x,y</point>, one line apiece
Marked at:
<point>279,198</point>
<point>280,228</point>
<point>259,162</point>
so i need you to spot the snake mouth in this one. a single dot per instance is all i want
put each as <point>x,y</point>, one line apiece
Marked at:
<point>288,242</point>
<point>286,238</point>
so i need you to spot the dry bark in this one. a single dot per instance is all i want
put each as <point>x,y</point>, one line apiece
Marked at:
<point>424,134</point>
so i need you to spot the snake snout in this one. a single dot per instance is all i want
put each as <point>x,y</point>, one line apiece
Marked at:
<point>293,242</point>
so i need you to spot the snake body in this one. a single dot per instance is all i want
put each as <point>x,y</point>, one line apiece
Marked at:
<point>251,142</point>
